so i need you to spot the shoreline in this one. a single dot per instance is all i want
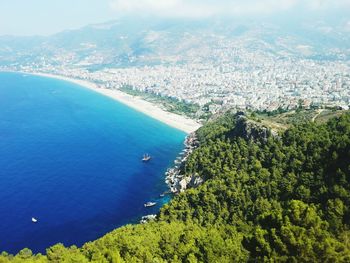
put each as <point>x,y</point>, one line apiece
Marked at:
<point>177,181</point>
<point>152,110</point>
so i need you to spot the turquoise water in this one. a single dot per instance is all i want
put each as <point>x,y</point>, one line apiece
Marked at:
<point>72,159</point>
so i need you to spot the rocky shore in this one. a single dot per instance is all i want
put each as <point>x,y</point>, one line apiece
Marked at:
<point>148,218</point>
<point>175,179</point>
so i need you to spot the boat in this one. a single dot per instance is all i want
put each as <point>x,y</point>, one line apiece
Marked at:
<point>150,204</point>
<point>162,195</point>
<point>34,220</point>
<point>146,158</point>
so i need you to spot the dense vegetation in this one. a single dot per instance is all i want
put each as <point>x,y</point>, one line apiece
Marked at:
<point>275,199</point>
<point>168,103</point>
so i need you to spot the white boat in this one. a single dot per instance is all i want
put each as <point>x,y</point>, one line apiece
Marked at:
<point>146,158</point>
<point>34,220</point>
<point>150,204</point>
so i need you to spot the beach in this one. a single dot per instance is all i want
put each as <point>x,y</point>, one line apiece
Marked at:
<point>179,122</point>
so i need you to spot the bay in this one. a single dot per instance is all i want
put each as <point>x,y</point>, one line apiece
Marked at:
<point>71,158</point>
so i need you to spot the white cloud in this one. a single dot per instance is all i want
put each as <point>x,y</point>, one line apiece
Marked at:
<point>328,4</point>
<point>205,8</point>
<point>164,7</point>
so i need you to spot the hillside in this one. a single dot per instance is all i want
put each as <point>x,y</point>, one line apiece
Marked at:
<point>139,42</point>
<point>266,198</point>
<point>281,121</point>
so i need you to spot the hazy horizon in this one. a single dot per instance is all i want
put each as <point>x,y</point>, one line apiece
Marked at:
<point>39,17</point>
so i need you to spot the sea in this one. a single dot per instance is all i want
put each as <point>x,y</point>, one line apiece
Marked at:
<point>71,159</point>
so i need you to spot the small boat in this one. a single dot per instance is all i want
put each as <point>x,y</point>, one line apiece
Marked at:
<point>146,158</point>
<point>162,195</point>
<point>34,220</point>
<point>150,204</point>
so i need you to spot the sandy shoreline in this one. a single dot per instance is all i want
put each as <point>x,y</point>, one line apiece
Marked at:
<point>176,121</point>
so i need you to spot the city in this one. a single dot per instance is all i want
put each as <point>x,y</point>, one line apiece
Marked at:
<point>257,82</point>
<point>162,131</point>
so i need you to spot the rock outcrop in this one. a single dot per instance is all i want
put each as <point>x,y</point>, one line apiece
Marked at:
<point>251,130</point>
<point>243,127</point>
<point>189,182</point>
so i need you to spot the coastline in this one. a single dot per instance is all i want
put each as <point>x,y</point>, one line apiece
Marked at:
<point>176,121</point>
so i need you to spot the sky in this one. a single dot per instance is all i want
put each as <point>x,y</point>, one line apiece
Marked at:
<point>45,17</point>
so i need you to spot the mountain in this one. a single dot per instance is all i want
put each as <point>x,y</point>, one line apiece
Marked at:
<point>131,42</point>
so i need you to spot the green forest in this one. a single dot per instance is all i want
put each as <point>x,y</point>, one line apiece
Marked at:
<point>278,198</point>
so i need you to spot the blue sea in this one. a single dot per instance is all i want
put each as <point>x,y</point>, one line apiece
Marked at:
<point>71,158</point>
